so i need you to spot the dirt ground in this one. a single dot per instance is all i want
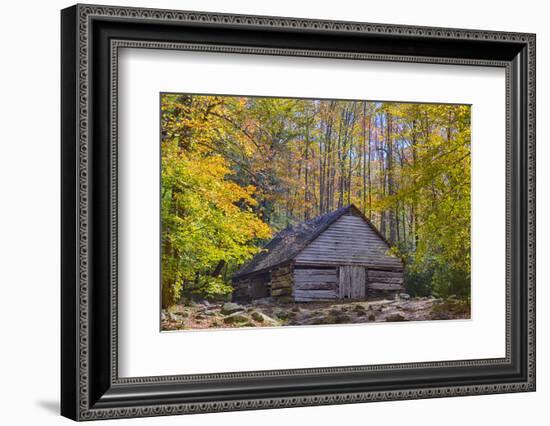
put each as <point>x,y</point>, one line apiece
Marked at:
<point>268,313</point>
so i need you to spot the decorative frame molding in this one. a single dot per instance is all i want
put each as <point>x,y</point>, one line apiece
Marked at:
<point>91,37</point>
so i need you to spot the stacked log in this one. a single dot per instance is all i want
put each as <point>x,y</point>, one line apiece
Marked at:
<point>281,281</point>
<point>384,283</point>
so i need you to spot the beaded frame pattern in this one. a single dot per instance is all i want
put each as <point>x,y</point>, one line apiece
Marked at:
<point>87,12</point>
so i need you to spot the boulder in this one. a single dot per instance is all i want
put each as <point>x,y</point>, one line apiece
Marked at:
<point>229,308</point>
<point>261,317</point>
<point>342,319</point>
<point>404,296</point>
<point>282,314</point>
<point>395,318</point>
<point>407,306</point>
<point>323,320</point>
<point>236,318</point>
<point>264,301</point>
<point>440,316</point>
<point>173,317</point>
<point>211,308</point>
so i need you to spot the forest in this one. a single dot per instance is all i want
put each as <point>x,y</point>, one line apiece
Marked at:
<point>237,170</point>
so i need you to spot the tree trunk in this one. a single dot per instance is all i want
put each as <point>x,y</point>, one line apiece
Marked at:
<point>364,152</point>
<point>391,189</point>
<point>218,269</point>
<point>307,196</point>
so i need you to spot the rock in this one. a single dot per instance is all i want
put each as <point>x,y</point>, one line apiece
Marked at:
<point>282,314</point>
<point>163,316</point>
<point>200,317</point>
<point>440,316</point>
<point>173,317</point>
<point>404,296</point>
<point>236,318</point>
<point>211,307</point>
<point>342,319</point>
<point>407,306</point>
<point>258,316</point>
<point>263,318</point>
<point>360,311</point>
<point>264,301</point>
<point>395,318</point>
<point>371,317</point>
<point>321,321</point>
<point>230,308</point>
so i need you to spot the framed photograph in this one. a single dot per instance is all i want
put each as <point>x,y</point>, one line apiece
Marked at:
<point>263,212</point>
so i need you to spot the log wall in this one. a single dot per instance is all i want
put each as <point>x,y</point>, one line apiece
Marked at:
<point>281,281</point>
<point>384,283</point>
<point>315,284</point>
<point>241,290</point>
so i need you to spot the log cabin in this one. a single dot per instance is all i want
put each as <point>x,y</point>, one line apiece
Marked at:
<point>339,255</point>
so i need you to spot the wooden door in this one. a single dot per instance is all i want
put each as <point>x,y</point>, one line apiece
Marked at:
<point>258,289</point>
<point>352,282</point>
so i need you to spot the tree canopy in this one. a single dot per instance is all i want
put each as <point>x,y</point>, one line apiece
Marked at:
<point>235,170</point>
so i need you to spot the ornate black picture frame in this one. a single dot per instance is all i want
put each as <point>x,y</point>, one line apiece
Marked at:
<point>91,387</point>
